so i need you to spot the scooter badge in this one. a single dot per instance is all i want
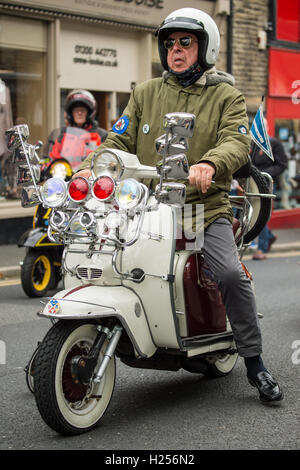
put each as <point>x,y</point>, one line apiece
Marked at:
<point>121,125</point>
<point>146,128</point>
<point>53,306</point>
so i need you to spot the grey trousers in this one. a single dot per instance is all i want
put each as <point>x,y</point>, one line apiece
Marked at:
<point>220,253</point>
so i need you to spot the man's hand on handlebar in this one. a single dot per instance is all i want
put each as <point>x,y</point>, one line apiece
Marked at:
<point>201,176</point>
<point>83,173</point>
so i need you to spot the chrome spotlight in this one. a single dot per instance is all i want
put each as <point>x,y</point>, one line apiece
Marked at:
<point>59,220</point>
<point>87,220</point>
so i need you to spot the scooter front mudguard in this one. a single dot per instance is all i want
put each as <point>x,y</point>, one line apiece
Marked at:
<point>36,238</point>
<point>95,302</point>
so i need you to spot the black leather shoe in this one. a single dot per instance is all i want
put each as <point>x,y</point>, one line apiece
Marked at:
<point>268,387</point>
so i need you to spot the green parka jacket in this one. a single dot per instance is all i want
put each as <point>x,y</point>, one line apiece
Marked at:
<point>221,131</point>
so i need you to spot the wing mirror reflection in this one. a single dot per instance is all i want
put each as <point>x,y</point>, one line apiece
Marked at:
<point>15,136</point>
<point>171,194</point>
<point>181,124</point>
<point>176,167</point>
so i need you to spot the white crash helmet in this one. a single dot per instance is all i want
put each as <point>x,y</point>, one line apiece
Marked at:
<point>197,22</point>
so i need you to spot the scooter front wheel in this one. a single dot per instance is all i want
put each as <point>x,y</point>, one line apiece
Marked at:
<point>67,406</point>
<point>37,273</point>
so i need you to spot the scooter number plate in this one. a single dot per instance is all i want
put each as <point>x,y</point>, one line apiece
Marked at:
<point>53,306</point>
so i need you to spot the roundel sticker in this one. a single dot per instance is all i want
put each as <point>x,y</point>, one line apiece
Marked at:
<point>242,130</point>
<point>121,125</point>
<point>146,128</point>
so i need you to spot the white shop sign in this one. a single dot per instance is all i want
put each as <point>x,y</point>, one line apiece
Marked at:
<point>141,12</point>
<point>98,59</point>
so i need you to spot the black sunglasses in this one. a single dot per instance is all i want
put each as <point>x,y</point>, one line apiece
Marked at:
<point>184,42</point>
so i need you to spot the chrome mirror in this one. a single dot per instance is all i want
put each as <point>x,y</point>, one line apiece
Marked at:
<point>172,147</point>
<point>171,194</point>
<point>27,176</point>
<point>29,196</point>
<point>19,157</point>
<point>176,167</point>
<point>33,156</point>
<point>181,124</point>
<point>15,136</point>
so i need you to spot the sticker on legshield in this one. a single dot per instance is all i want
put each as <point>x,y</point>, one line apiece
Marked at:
<point>53,306</point>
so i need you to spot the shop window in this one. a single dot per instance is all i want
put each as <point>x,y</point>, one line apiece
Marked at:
<point>288,132</point>
<point>23,73</point>
<point>157,70</point>
<point>288,20</point>
<point>122,100</point>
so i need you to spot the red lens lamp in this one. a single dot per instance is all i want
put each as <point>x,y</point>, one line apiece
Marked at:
<point>79,189</point>
<point>103,188</point>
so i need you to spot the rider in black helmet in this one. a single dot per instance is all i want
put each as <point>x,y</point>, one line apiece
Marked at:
<point>81,98</point>
<point>80,111</point>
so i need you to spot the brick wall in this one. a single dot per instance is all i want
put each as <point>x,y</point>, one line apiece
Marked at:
<point>249,64</point>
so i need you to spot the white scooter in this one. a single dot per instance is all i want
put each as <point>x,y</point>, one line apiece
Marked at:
<point>133,289</point>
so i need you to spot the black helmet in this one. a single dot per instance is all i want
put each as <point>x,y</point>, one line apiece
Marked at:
<point>81,98</point>
<point>197,22</point>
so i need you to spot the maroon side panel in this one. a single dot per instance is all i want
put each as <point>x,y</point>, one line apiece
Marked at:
<point>205,309</point>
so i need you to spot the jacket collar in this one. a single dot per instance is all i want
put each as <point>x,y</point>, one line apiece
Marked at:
<point>210,77</point>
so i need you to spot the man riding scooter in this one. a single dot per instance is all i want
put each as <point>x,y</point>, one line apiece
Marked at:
<point>188,42</point>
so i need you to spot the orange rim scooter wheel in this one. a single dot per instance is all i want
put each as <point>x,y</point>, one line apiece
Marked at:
<point>37,274</point>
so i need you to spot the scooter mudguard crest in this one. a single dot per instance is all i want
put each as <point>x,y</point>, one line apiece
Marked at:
<point>96,302</point>
<point>36,238</point>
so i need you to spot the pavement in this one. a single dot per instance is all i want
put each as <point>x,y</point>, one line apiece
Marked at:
<point>11,255</point>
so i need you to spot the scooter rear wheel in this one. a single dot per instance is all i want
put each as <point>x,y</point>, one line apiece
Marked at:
<point>37,273</point>
<point>67,406</point>
<point>222,366</point>
<point>261,206</point>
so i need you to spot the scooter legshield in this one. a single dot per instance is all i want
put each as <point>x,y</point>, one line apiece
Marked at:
<point>95,302</point>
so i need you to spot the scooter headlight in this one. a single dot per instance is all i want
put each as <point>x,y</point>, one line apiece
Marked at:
<point>60,169</point>
<point>105,162</point>
<point>54,192</point>
<point>128,194</point>
<point>114,220</point>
